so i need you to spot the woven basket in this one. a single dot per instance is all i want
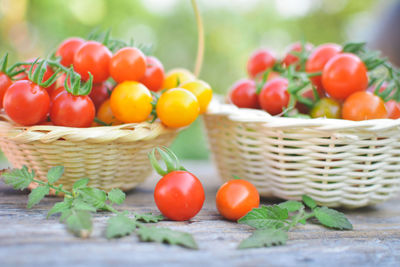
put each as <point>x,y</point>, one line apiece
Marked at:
<point>336,162</point>
<point>111,156</point>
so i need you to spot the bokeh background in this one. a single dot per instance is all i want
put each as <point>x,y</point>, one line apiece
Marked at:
<point>234,28</point>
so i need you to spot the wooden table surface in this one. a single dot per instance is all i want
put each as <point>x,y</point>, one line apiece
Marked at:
<point>27,238</point>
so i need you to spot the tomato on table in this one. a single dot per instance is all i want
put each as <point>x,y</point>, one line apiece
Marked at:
<point>176,77</point>
<point>202,91</point>
<point>274,97</point>
<point>177,107</point>
<point>153,77</point>
<point>364,106</point>
<point>260,61</point>
<point>131,102</point>
<point>243,94</point>
<point>343,75</point>
<point>93,57</point>
<point>128,64</point>
<point>236,198</point>
<point>67,50</point>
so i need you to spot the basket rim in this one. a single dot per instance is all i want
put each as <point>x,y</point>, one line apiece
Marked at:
<point>128,132</point>
<point>217,107</point>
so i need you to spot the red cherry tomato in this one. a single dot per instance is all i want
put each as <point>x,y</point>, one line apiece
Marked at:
<point>274,97</point>
<point>243,94</point>
<point>260,61</point>
<point>72,111</point>
<point>344,75</point>
<point>236,198</point>
<point>179,195</point>
<point>128,64</point>
<point>100,92</point>
<point>290,58</point>
<point>5,82</point>
<point>318,58</point>
<point>67,50</point>
<point>364,106</point>
<point>47,74</point>
<point>95,58</point>
<point>26,103</point>
<point>153,77</point>
<point>393,109</point>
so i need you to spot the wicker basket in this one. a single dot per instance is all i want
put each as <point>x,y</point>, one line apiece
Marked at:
<point>337,162</point>
<point>112,156</point>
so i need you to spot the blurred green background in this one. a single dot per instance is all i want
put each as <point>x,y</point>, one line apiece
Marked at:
<point>234,28</point>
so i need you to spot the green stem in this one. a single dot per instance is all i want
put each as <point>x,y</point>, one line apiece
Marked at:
<point>53,187</point>
<point>313,74</point>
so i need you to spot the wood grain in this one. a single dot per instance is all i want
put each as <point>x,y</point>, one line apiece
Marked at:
<point>27,238</point>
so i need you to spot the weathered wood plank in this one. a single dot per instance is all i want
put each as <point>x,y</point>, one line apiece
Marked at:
<point>27,238</point>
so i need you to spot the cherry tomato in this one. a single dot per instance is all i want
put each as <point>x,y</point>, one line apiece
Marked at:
<point>309,94</point>
<point>100,92</point>
<point>47,74</point>
<point>179,195</point>
<point>72,111</point>
<point>290,58</point>
<point>105,114</point>
<point>56,93</point>
<point>202,92</point>
<point>131,102</point>
<point>153,77</point>
<point>326,108</point>
<point>318,58</point>
<point>343,75</point>
<point>95,58</point>
<point>128,64</point>
<point>177,107</point>
<point>364,106</point>
<point>236,198</point>
<point>274,97</point>
<point>243,94</point>
<point>26,103</point>
<point>175,77</point>
<point>260,61</point>
<point>5,82</point>
<point>67,50</point>
<point>393,109</point>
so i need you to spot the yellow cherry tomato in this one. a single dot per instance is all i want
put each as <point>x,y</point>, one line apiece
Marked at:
<point>105,114</point>
<point>175,77</point>
<point>131,102</point>
<point>177,107</point>
<point>202,92</point>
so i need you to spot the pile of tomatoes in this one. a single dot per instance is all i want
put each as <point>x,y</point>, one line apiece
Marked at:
<point>332,81</point>
<point>90,83</point>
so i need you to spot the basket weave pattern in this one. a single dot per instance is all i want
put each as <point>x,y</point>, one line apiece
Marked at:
<point>336,162</point>
<point>112,157</point>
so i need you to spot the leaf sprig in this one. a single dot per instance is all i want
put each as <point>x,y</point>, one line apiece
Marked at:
<point>273,222</point>
<point>82,201</point>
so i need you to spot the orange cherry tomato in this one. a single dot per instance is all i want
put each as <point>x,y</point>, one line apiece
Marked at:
<point>236,198</point>
<point>364,106</point>
<point>202,92</point>
<point>175,77</point>
<point>128,64</point>
<point>131,102</point>
<point>177,107</point>
<point>105,114</point>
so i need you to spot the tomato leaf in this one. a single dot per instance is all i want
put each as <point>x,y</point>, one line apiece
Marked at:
<point>119,226</point>
<point>37,195</point>
<point>116,196</point>
<point>79,204</point>
<point>332,218</point>
<point>165,235</point>
<point>309,202</point>
<point>265,238</point>
<point>149,217</point>
<point>291,205</point>
<point>54,174</point>
<point>93,196</point>
<point>19,178</point>
<point>81,183</point>
<point>265,217</point>
<point>80,223</point>
<point>60,207</point>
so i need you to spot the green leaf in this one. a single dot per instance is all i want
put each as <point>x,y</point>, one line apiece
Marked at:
<point>309,202</point>
<point>116,196</point>
<point>265,217</point>
<point>79,204</point>
<point>60,207</point>
<point>149,217</point>
<point>93,196</point>
<point>80,223</point>
<point>332,218</point>
<point>65,214</point>
<point>19,178</point>
<point>291,205</point>
<point>81,183</point>
<point>54,174</point>
<point>37,195</point>
<point>265,238</point>
<point>119,226</point>
<point>165,235</point>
